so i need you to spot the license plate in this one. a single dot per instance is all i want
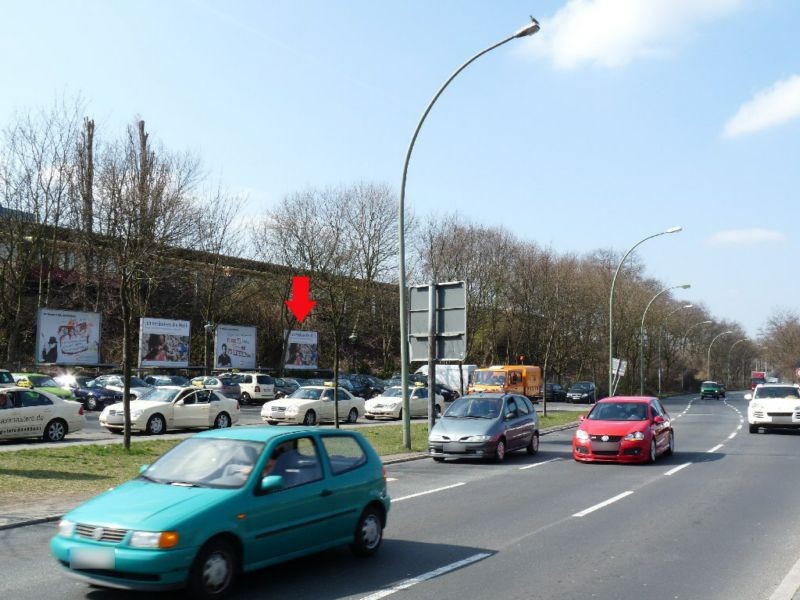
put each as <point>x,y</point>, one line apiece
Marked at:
<point>453,447</point>
<point>91,558</point>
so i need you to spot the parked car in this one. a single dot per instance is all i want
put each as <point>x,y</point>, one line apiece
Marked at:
<point>70,382</point>
<point>711,389</point>
<point>445,392</point>
<point>227,385</point>
<point>773,406</point>
<point>485,425</point>
<point>285,386</point>
<point>582,391</point>
<point>555,393</point>
<point>6,379</point>
<point>167,380</point>
<point>26,412</point>
<point>114,382</point>
<point>166,408</point>
<point>624,429</point>
<point>390,404</point>
<point>255,387</point>
<point>180,522</point>
<point>94,396</point>
<point>372,386</point>
<point>41,382</point>
<point>313,404</point>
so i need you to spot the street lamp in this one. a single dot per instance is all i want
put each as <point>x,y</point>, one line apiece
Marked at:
<point>209,327</point>
<point>685,335</point>
<point>730,350</point>
<point>708,360</point>
<point>684,286</point>
<point>611,305</point>
<point>661,335</point>
<point>525,31</point>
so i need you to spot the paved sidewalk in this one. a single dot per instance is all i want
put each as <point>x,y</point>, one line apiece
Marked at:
<point>51,509</point>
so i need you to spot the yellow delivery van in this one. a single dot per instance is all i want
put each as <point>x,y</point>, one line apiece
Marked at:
<point>517,379</point>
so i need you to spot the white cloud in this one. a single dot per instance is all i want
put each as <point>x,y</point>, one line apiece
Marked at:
<point>612,33</point>
<point>747,236</point>
<point>776,105</point>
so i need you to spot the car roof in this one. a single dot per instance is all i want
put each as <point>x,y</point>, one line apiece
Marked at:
<point>771,385</point>
<point>641,399</point>
<point>265,433</point>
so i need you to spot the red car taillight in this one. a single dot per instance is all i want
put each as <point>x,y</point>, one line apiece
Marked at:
<point>80,410</point>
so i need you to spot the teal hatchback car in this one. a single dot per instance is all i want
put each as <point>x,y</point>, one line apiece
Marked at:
<point>228,501</point>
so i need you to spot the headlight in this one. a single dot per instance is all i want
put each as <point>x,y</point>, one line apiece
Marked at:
<point>154,539</point>
<point>104,414</point>
<point>135,414</point>
<point>435,437</point>
<point>478,438</point>
<point>634,436</point>
<point>66,528</point>
<point>581,435</point>
<point>291,410</point>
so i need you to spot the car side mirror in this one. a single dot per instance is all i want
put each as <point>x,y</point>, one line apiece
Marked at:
<point>509,415</point>
<point>143,468</point>
<point>582,418</point>
<point>748,397</point>
<point>271,483</point>
<point>658,419</point>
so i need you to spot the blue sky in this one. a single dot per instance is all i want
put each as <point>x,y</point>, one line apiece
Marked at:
<point>620,118</point>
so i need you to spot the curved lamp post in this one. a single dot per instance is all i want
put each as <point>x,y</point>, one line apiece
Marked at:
<point>611,305</point>
<point>525,31</point>
<point>708,360</point>
<point>730,351</point>
<point>685,335</point>
<point>661,335</point>
<point>684,286</point>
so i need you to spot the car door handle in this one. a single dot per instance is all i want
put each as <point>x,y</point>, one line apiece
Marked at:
<point>326,493</point>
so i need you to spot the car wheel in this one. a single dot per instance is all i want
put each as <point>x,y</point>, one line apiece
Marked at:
<point>533,446</point>
<point>500,450</point>
<point>671,447</point>
<point>214,571</point>
<point>651,458</point>
<point>222,421</point>
<point>753,428</point>
<point>438,459</point>
<point>272,422</point>
<point>155,425</point>
<point>352,416</point>
<point>91,403</point>
<point>55,431</point>
<point>437,410</point>
<point>400,414</point>
<point>369,533</point>
<point>117,431</point>
<point>310,418</point>
<point>245,398</point>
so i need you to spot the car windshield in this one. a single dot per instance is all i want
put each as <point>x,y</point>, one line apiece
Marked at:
<point>42,381</point>
<point>5,377</point>
<point>393,392</point>
<point>206,462</point>
<point>159,395</point>
<point>474,408</point>
<point>489,377</point>
<point>777,392</point>
<point>581,386</point>
<point>619,411</point>
<point>306,393</point>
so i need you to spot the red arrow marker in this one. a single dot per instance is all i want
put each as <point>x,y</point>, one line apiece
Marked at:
<point>300,304</point>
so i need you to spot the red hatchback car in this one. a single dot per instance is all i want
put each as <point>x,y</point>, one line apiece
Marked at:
<point>624,429</point>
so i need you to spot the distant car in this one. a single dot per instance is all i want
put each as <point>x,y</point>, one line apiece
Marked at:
<point>485,425</point>
<point>255,387</point>
<point>70,382</point>
<point>389,405</point>
<point>26,412</point>
<point>372,386</point>
<point>41,382</point>
<point>227,385</point>
<point>167,380</point>
<point>445,392</point>
<point>181,522</point>
<point>624,429</point>
<point>582,391</point>
<point>773,406</point>
<point>166,408</point>
<point>555,393</point>
<point>6,379</point>
<point>311,405</point>
<point>94,396</point>
<point>754,381</point>
<point>285,386</point>
<point>114,382</point>
<point>711,389</point>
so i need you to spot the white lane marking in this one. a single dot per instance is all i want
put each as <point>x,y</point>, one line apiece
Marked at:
<point>701,415</point>
<point>678,468</point>
<point>731,436</point>
<point>404,585</point>
<point>441,489</point>
<point>391,479</point>
<point>544,462</point>
<point>738,428</point>
<point>714,449</point>
<point>591,509</point>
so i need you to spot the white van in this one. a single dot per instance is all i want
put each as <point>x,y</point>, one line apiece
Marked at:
<point>255,387</point>
<point>449,376</point>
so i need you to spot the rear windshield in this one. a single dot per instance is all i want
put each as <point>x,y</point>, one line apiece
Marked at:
<point>5,377</point>
<point>778,392</point>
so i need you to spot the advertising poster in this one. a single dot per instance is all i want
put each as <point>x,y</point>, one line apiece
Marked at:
<point>301,350</point>
<point>67,337</point>
<point>235,347</point>
<point>163,342</point>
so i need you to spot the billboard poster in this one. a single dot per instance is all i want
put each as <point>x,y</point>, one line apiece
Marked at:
<point>163,342</point>
<point>301,350</point>
<point>67,337</point>
<point>235,347</point>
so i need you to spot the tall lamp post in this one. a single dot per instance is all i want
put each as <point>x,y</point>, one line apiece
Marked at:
<point>683,344</point>
<point>525,31</point>
<point>730,351</point>
<point>684,286</point>
<point>661,335</point>
<point>611,305</point>
<point>708,360</point>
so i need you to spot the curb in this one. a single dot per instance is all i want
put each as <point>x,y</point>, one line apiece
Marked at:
<point>388,461</point>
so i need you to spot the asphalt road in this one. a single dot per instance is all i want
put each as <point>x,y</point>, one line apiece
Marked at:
<point>718,520</point>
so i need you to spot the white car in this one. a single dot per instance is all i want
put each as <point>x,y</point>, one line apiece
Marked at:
<point>313,404</point>
<point>173,407</point>
<point>256,387</point>
<point>115,382</point>
<point>34,413</point>
<point>773,405</point>
<point>389,405</point>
